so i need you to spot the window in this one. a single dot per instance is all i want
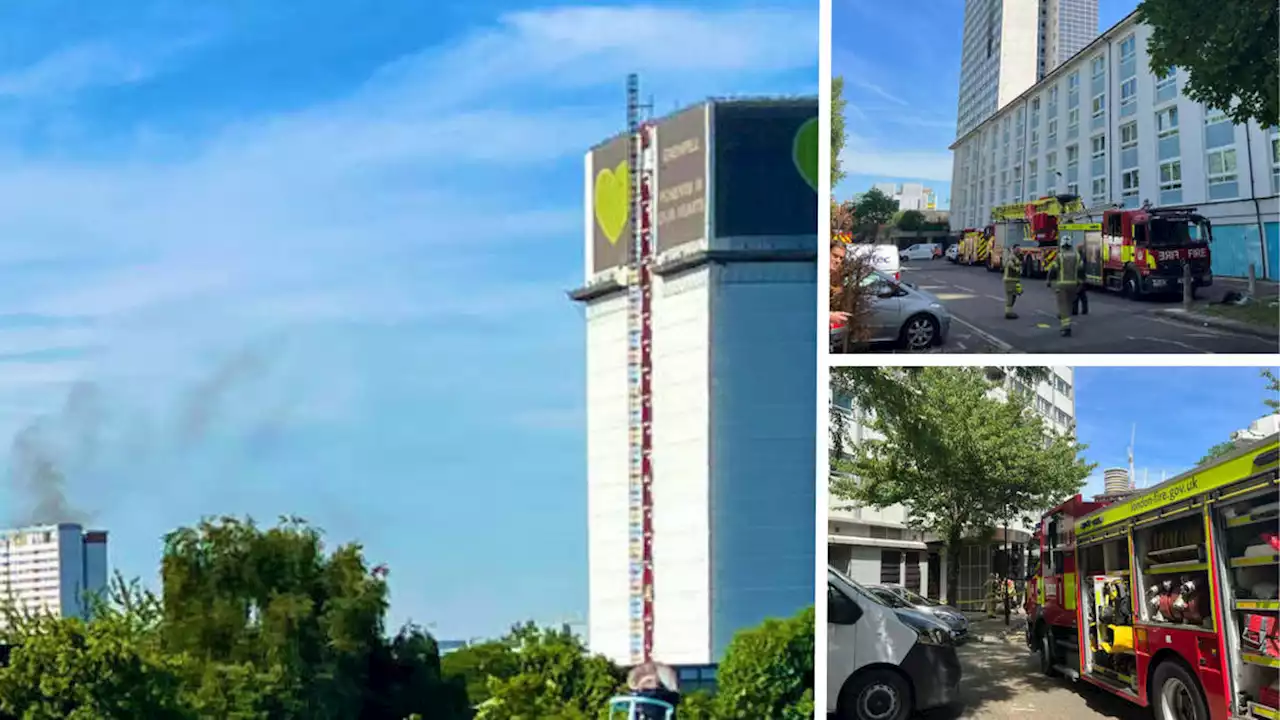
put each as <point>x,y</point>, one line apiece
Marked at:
<point>1035,142</point>
<point>1099,105</point>
<point>1128,136</point>
<point>1127,48</point>
<point>1073,117</point>
<point>1052,136</point>
<point>1171,175</point>
<point>1053,95</point>
<point>1073,81</point>
<point>1170,81</point>
<point>1035,104</point>
<point>1213,116</point>
<point>1073,155</point>
<point>1099,190</point>
<point>1129,183</point>
<point>1275,162</point>
<point>1128,92</point>
<point>1051,162</point>
<point>890,566</point>
<point>1167,122</point>
<point>1073,188</point>
<point>1098,146</point>
<point>1031,177</point>
<point>1099,67</point>
<point>1222,166</point>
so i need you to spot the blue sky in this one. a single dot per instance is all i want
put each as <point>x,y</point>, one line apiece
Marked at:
<point>1179,413</point>
<point>306,258</point>
<point>901,65</point>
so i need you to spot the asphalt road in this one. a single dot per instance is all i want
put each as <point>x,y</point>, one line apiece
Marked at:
<point>1114,324</point>
<point>1002,681</point>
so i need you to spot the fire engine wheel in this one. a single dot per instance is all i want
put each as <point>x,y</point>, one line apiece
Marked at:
<point>1046,653</point>
<point>1130,287</point>
<point>1177,695</point>
<point>877,695</point>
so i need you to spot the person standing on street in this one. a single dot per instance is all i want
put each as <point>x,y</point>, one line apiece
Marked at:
<point>993,589</point>
<point>838,252</point>
<point>1012,271</point>
<point>1065,278</point>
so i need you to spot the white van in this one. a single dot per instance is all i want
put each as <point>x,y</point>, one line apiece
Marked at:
<point>884,663</point>
<point>920,251</point>
<point>882,257</point>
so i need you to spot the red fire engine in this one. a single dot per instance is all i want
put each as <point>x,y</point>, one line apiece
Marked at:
<point>1142,251</point>
<point>1168,598</point>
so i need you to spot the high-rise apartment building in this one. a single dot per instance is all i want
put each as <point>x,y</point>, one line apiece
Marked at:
<point>52,568</point>
<point>875,545</point>
<point>1008,45</point>
<point>1103,126</point>
<point>731,385</point>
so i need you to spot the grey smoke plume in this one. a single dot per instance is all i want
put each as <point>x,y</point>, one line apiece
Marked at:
<point>51,448</point>
<point>47,448</point>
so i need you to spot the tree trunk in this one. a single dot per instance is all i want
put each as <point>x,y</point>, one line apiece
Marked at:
<point>953,570</point>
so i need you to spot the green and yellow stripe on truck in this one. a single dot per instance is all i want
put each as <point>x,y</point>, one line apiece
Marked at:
<point>1260,460</point>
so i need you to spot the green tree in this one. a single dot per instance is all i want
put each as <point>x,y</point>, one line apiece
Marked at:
<point>1229,54</point>
<point>875,207</point>
<point>958,459</point>
<point>837,128</point>
<point>910,220</point>
<point>767,671</point>
<point>475,664</point>
<point>556,679</point>
<point>112,668</point>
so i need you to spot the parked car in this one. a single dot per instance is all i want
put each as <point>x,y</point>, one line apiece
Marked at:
<point>951,617</point>
<point>920,251</point>
<point>884,662</point>
<point>900,313</point>
<point>884,258</point>
<point>953,253</point>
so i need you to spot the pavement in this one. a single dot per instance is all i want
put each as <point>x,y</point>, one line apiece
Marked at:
<point>1002,681</point>
<point>975,298</point>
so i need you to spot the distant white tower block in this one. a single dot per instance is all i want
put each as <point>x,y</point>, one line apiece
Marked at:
<point>53,568</point>
<point>733,320</point>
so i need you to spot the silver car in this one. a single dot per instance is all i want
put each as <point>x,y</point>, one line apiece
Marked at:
<point>953,618</point>
<point>901,313</point>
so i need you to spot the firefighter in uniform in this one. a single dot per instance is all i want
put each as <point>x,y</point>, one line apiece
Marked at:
<point>993,591</point>
<point>1065,279</point>
<point>1012,286</point>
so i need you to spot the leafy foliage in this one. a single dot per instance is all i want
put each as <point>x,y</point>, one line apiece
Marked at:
<point>1229,54</point>
<point>768,671</point>
<point>837,127</point>
<point>1270,399</point>
<point>959,459</point>
<point>910,220</point>
<point>876,208</point>
<point>257,624</point>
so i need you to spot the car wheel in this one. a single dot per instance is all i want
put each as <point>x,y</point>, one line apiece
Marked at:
<point>919,332</point>
<point>877,695</point>
<point>1176,694</point>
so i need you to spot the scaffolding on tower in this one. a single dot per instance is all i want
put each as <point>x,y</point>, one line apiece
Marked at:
<point>639,378</point>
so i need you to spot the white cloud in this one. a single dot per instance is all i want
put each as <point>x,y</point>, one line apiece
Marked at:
<point>863,156</point>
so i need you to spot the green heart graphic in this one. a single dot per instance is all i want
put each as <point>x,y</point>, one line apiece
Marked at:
<point>805,152</point>
<point>612,204</point>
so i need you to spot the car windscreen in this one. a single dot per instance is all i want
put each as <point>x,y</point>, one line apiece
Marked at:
<point>890,598</point>
<point>917,599</point>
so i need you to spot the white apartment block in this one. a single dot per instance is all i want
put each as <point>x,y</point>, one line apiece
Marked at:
<point>1008,45</point>
<point>52,568</point>
<point>874,545</point>
<point>1102,126</point>
<point>909,196</point>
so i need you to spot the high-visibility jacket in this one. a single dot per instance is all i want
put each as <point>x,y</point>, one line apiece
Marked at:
<point>1068,269</point>
<point>1012,265</point>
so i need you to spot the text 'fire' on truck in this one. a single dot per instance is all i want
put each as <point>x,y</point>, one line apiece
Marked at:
<point>1168,597</point>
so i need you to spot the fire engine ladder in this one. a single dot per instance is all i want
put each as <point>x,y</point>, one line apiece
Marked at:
<point>639,377</point>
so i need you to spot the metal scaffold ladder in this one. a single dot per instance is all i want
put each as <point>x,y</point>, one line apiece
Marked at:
<point>639,377</point>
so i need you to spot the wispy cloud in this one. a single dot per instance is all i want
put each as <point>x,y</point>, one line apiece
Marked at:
<point>89,65</point>
<point>865,156</point>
